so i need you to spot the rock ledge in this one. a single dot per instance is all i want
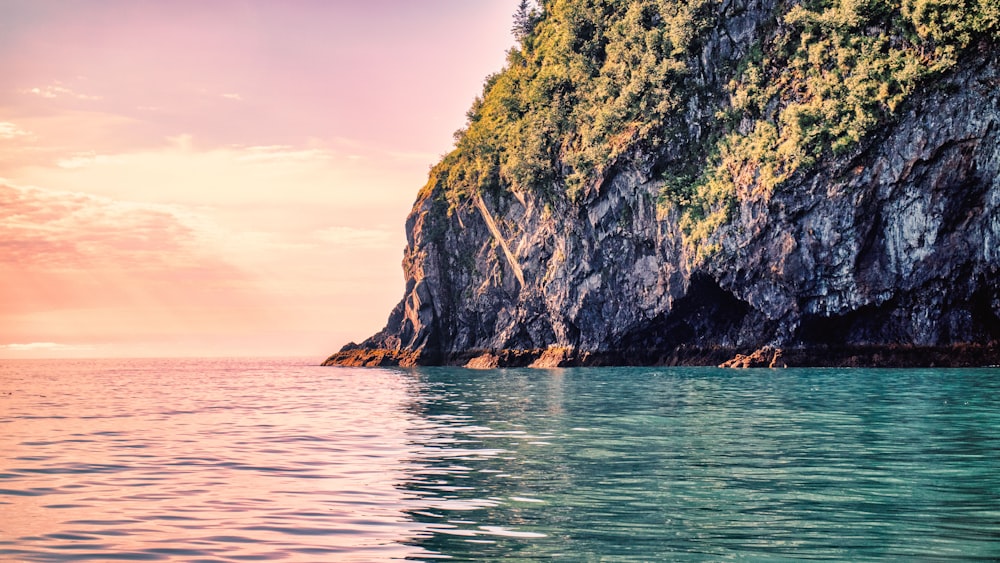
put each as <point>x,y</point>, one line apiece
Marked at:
<point>957,355</point>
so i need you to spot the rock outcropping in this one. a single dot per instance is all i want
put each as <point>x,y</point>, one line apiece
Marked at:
<point>887,255</point>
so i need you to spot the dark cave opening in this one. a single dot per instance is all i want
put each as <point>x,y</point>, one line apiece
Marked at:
<point>706,317</point>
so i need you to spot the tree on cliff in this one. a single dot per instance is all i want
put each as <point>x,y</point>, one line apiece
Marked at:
<point>525,19</point>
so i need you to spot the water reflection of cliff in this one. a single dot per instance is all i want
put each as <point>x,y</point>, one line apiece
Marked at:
<point>488,449</point>
<point>644,463</point>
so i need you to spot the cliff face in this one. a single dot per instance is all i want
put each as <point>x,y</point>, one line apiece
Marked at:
<point>891,245</point>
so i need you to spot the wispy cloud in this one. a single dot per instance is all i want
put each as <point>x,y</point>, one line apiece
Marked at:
<point>182,171</point>
<point>129,236</point>
<point>356,238</point>
<point>47,347</point>
<point>79,267</point>
<point>57,90</point>
<point>9,130</point>
<point>49,229</point>
<point>281,153</point>
<point>80,160</point>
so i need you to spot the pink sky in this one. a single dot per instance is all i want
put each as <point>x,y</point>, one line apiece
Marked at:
<point>221,178</point>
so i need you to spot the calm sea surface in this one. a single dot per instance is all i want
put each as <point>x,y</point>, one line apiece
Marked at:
<point>259,460</point>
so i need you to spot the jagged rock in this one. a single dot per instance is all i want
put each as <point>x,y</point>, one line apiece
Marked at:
<point>778,359</point>
<point>766,357</point>
<point>365,357</point>
<point>485,361</point>
<point>893,247</point>
<point>554,358</point>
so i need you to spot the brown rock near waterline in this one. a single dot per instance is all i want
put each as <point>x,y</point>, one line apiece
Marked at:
<point>885,253</point>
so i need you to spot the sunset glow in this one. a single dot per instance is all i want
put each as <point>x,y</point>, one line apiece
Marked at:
<point>222,178</point>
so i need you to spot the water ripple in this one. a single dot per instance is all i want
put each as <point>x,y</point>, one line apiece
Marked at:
<point>221,460</point>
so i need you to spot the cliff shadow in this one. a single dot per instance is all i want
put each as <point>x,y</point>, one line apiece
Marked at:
<point>704,327</point>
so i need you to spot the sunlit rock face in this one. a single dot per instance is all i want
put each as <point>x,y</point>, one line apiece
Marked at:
<point>893,245</point>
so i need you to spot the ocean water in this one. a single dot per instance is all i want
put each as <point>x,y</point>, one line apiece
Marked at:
<point>259,460</point>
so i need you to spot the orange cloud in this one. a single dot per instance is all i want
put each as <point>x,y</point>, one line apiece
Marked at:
<point>133,268</point>
<point>101,276</point>
<point>207,182</point>
<point>46,229</point>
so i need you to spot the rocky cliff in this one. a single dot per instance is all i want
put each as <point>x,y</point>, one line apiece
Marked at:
<point>882,250</point>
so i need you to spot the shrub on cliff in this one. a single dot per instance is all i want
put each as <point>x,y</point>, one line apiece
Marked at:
<point>593,80</point>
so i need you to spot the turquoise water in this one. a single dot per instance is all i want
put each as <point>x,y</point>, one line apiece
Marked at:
<point>225,460</point>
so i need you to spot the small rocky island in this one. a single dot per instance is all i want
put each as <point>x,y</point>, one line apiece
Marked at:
<point>692,182</point>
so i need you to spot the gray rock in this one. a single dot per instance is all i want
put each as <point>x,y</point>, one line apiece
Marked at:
<point>895,244</point>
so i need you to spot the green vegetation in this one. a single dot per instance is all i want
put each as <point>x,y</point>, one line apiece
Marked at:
<point>593,80</point>
<point>839,68</point>
<point>590,80</point>
<point>833,72</point>
<point>525,19</point>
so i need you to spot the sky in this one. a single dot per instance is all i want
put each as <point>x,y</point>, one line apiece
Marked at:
<point>223,178</point>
